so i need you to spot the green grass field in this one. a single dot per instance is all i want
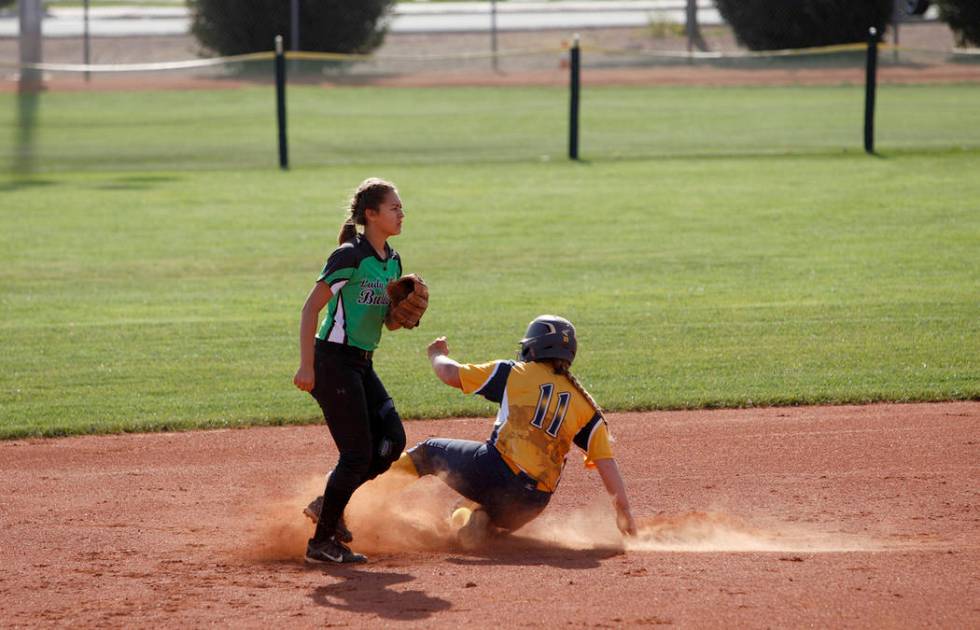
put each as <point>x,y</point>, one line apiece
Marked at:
<point>139,296</point>
<point>231,129</point>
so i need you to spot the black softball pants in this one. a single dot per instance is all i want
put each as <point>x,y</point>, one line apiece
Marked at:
<point>363,423</point>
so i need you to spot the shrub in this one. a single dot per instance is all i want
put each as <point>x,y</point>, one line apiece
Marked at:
<point>231,27</point>
<point>963,16</point>
<point>768,25</point>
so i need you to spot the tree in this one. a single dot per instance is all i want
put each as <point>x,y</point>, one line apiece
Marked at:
<point>963,16</point>
<point>231,27</point>
<point>768,25</point>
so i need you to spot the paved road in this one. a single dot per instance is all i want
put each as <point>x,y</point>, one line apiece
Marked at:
<point>418,17</point>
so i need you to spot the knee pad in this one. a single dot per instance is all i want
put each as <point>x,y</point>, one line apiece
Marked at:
<point>390,446</point>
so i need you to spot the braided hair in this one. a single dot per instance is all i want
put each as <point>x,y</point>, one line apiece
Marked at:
<point>561,366</point>
<point>369,194</point>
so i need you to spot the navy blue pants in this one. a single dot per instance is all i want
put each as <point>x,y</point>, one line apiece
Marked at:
<point>476,471</point>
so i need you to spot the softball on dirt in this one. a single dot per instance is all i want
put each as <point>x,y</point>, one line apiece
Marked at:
<point>461,516</point>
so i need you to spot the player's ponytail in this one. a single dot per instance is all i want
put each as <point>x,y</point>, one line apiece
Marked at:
<point>562,367</point>
<point>369,194</point>
<point>347,231</point>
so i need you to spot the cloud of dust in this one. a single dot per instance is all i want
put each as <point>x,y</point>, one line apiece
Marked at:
<point>395,513</point>
<point>720,532</point>
<point>594,527</point>
<point>280,530</point>
<point>699,531</point>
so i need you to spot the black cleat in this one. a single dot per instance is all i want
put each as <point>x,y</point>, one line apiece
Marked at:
<point>312,512</point>
<point>331,551</point>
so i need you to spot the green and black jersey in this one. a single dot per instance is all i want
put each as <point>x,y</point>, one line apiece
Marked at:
<point>357,277</point>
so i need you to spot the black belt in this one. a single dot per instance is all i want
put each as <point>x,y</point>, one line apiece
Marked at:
<point>526,480</point>
<point>339,348</point>
<point>530,483</point>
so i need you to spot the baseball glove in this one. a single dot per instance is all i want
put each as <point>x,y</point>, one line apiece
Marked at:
<point>409,297</point>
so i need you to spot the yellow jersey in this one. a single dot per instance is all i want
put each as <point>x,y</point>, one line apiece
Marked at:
<point>541,415</point>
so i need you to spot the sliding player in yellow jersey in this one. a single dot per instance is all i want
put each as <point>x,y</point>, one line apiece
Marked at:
<point>544,411</point>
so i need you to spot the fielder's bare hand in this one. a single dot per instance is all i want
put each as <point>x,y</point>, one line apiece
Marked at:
<point>304,378</point>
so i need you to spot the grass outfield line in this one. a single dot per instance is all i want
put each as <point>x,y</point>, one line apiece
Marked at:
<point>164,299</point>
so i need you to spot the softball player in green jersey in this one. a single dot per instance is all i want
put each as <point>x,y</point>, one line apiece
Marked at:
<point>336,362</point>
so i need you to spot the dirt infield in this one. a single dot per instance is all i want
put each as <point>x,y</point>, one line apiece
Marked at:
<point>830,517</point>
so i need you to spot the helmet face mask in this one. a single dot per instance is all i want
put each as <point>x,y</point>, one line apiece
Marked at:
<point>548,337</point>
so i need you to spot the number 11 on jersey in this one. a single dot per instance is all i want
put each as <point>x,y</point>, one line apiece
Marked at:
<point>544,401</point>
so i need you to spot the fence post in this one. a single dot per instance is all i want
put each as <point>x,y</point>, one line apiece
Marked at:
<point>493,34</point>
<point>31,15</point>
<point>898,11</point>
<point>692,29</point>
<point>86,41</point>
<point>281,103</point>
<point>574,83</point>
<point>870,87</point>
<point>294,24</point>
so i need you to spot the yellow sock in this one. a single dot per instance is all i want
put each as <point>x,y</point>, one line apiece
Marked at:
<point>405,465</point>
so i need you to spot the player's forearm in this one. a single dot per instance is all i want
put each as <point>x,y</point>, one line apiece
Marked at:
<point>307,331</point>
<point>613,481</point>
<point>319,295</point>
<point>446,369</point>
